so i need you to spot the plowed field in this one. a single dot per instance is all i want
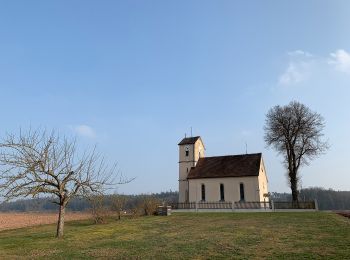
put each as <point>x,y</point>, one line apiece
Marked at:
<point>18,220</point>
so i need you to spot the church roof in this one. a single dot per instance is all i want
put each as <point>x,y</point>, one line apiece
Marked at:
<point>226,166</point>
<point>189,140</point>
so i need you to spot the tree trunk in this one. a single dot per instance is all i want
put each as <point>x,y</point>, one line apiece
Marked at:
<point>294,187</point>
<point>60,224</point>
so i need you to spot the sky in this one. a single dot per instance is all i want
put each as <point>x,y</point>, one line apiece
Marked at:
<point>132,77</point>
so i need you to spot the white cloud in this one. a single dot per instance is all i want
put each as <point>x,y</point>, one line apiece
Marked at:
<point>340,59</point>
<point>84,130</point>
<point>303,65</point>
<point>299,53</point>
<point>298,67</point>
<point>293,74</point>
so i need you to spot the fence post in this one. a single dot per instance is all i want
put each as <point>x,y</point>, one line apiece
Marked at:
<point>233,206</point>
<point>272,205</point>
<point>196,206</point>
<point>316,205</point>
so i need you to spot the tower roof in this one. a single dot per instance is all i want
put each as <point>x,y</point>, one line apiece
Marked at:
<point>226,166</point>
<point>189,140</point>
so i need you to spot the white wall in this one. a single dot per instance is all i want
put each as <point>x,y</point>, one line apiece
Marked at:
<point>231,187</point>
<point>263,182</point>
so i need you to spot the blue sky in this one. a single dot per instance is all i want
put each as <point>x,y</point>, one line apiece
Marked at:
<point>134,76</point>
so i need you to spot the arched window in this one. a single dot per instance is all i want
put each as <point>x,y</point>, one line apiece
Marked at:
<point>222,192</point>
<point>241,191</point>
<point>203,192</point>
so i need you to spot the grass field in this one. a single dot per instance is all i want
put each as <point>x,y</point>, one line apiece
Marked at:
<point>195,236</point>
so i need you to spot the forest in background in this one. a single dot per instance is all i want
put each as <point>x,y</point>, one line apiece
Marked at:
<point>327,199</point>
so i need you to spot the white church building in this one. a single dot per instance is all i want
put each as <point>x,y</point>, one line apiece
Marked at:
<point>230,178</point>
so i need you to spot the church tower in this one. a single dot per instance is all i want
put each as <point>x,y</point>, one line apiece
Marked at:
<point>190,150</point>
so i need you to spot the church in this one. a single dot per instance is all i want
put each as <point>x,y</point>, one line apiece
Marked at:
<point>229,178</point>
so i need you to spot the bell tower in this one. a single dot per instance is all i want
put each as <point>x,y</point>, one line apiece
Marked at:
<point>190,150</point>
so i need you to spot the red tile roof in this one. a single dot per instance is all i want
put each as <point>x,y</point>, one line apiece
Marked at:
<point>226,166</point>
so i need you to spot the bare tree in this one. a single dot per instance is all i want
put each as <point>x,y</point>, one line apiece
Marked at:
<point>296,133</point>
<point>98,209</point>
<point>35,163</point>
<point>118,202</point>
<point>149,204</point>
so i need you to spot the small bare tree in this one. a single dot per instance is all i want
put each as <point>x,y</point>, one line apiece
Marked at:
<point>35,163</point>
<point>149,204</point>
<point>118,203</point>
<point>296,133</point>
<point>98,209</point>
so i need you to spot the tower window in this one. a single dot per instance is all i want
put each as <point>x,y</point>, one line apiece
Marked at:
<point>187,151</point>
<point>203,192</point>
<point>222,192</point>
<point>241,191</point>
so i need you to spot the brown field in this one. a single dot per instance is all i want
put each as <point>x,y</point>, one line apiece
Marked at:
<point>18,220</point>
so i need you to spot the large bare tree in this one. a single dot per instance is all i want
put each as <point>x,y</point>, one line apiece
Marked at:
<point>35,163</point>
<point>296,133</point>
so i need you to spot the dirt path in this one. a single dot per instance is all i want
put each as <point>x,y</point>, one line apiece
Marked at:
<point>18,220</point>
<point>344,213</point>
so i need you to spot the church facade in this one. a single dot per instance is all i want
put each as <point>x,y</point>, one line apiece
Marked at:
<point>228,178</point>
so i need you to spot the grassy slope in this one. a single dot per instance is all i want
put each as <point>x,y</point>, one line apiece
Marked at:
<point>205,235</point>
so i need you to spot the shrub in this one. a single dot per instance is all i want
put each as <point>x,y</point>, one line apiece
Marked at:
<point>98,210</point>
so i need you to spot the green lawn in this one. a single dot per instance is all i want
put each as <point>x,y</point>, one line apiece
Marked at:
<point>191,235</point>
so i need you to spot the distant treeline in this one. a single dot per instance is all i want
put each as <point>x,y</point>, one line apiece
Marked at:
<point>327,199</point>
<point>83,204</point>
